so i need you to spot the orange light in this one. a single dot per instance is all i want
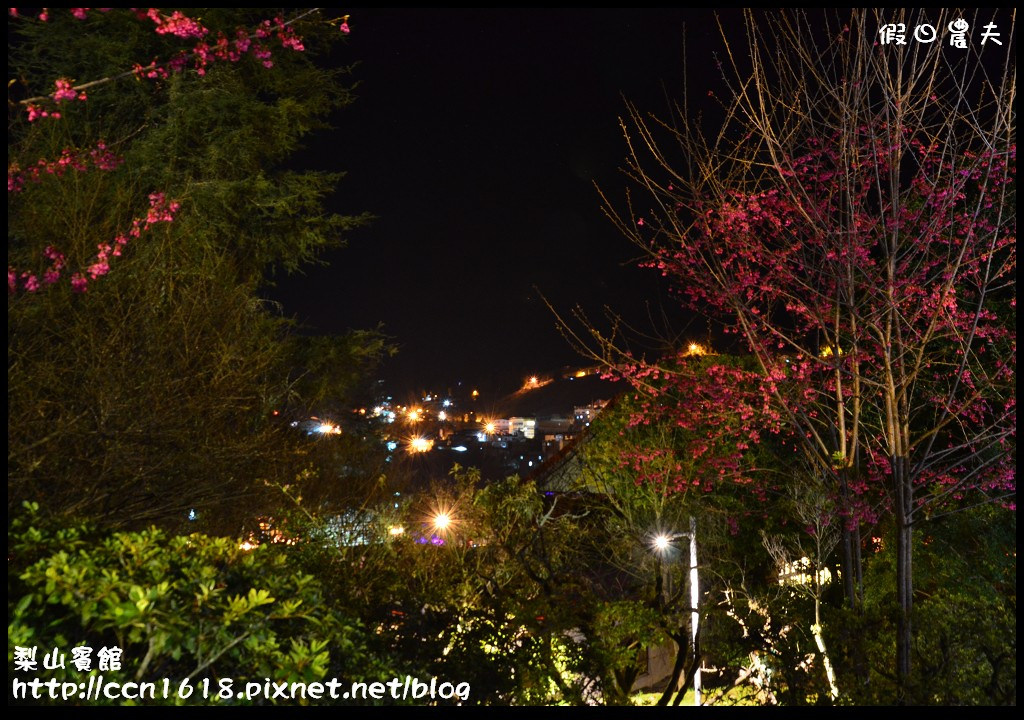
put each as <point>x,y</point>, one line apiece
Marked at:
<point>419,444</point>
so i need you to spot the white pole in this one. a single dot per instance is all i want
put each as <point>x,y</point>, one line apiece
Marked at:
<point>695,615</point>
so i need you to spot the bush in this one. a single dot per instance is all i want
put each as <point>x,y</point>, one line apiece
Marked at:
<point>178,606</point>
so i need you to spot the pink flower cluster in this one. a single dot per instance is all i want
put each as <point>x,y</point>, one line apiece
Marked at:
<point>223,49</point>
<point>199,56</point>
<point>44,14</point>
<point>36,111</point>
<point>175,24</point>
<point>100,157</point>
<point>64,92</point>
<point>160,210</point>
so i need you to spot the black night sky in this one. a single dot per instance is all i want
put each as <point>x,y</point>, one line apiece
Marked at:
<point>476,140</point>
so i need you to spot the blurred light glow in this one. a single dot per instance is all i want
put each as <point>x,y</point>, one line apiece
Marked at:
<point>419,444</point>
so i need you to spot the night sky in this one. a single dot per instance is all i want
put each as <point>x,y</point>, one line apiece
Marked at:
<point>476,140</point>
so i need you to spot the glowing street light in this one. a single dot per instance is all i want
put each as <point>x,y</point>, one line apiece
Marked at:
<point>663,543</point>
<point>420,444</point>
<point>442,521</point>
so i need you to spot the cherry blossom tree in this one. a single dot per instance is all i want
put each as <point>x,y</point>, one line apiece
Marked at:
<point>852,222</point>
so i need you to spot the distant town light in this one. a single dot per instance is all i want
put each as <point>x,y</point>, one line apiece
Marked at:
<point>419,444</point>
<point>442,416</point>
<point>396,530</point>
<point>695,349</point>
<point>489,428</point>
<point>459,448</point>
<point>328,429</point>
<point>476,393</point>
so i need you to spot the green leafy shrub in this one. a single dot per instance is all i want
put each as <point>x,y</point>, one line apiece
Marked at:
<point>178,606</point>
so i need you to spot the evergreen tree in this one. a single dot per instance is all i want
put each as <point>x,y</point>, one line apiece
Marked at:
<point>143,377</point>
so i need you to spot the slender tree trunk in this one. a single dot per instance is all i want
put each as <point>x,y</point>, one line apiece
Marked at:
<point>904,573</point>
<point>682,647</point>
<point>848,570</point>
<point>851,545</point>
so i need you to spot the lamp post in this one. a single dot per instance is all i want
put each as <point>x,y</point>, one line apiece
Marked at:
<point>663,543</point>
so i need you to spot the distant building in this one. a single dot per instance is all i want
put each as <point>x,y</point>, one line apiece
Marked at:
<point>555,443</point>
<point>527,427</point>
<point>586,413</point>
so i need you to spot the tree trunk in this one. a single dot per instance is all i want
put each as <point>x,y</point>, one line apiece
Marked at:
<point>904,573</point>
<point>851,569</point>
<point>682,647</point>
